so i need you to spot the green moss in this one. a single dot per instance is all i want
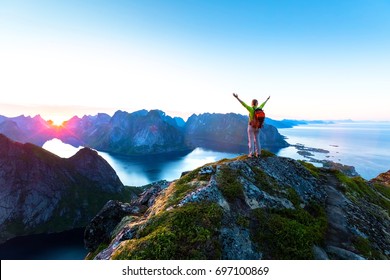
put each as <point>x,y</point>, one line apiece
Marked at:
<point>311,168</point>
<point>226,160</point>
<point>125,221</point>
<point>229,185</point>
<point>384,190</point>
<point>188,232</point>
<point>265,182</point>
<point>287,234</point>
<point>266,153</point>
<point>100,248</point>
<point>184,185</point>
<point>364,247</point>
<point>357,188</point>
<point>293,196</point>
<point>243,221</point>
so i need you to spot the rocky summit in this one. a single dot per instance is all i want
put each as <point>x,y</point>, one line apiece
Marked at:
<point>248,208</point>
<point>41,192</point>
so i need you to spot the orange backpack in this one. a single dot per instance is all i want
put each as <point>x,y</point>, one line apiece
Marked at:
<point>258,119</point>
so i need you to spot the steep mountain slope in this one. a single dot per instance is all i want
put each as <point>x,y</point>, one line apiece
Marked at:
<point>248,208</point>
<point>41,192</point>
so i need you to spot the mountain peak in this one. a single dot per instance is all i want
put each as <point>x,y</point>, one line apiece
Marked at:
<point>91,165</point>
<point>42,192</point>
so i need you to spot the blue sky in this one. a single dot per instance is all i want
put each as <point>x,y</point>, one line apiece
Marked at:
<point>316,59</point>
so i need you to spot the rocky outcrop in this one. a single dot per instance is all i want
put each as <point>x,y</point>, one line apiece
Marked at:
<point>255,208</point>
<point>383,179</point>
<point>228,132</point>
<point>41,192</point>
<point>114,215</point>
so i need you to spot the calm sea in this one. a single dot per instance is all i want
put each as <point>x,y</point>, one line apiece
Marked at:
<point>364,145</point>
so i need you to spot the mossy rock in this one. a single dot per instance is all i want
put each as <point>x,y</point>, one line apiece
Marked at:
<point>229,185</point>
<point>188,232</point>
<point>357,188</point>
<point>311,168</point>
<point>288,234</point>
<point>363,245</point>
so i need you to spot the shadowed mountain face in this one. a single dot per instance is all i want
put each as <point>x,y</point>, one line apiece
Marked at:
<point>249,208</point>
<point>41,192</point>
<point>143,132</point>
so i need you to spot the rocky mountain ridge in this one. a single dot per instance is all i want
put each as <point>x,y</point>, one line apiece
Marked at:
<point>41,192</point>
<point>143,132</point>
<point>248,208</point>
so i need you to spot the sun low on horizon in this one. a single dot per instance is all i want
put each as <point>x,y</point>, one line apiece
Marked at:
<point>57,122</point>
<point>54,118</point>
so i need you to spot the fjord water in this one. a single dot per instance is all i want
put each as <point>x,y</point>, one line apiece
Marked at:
<point>68,245</point>
<point>364,145</point>
<point>143,170</point>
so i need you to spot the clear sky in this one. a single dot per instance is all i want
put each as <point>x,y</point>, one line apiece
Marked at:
<point>316,59</point>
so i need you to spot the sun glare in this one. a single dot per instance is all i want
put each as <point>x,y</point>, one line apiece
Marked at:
<point>54,121</point>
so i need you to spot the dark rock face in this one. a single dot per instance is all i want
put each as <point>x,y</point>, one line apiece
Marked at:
<point>103,224</point>
<point>41,192</point>
<point>228,132</point>
<point>256,208</point>
<point>93,167</point>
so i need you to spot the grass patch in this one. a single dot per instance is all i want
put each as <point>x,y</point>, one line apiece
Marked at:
<point>363,245</point>
<point>185,184</point>
<point>288,234</point>
<point>188,232</point>
<point>229,185</point>
<point>385,191</point>
<point>293,196</point>
<point>311,168</point>
<point>266,153</point>
<point>265,182</point>
<point>357,188</point>
<point>243,221</point>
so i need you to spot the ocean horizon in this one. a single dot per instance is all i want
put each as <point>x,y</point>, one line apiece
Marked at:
<point>363,145</point>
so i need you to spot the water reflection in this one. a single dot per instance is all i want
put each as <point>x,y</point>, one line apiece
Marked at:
<point>143,170</point>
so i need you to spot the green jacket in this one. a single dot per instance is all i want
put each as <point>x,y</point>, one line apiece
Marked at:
<point>252,109</point>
